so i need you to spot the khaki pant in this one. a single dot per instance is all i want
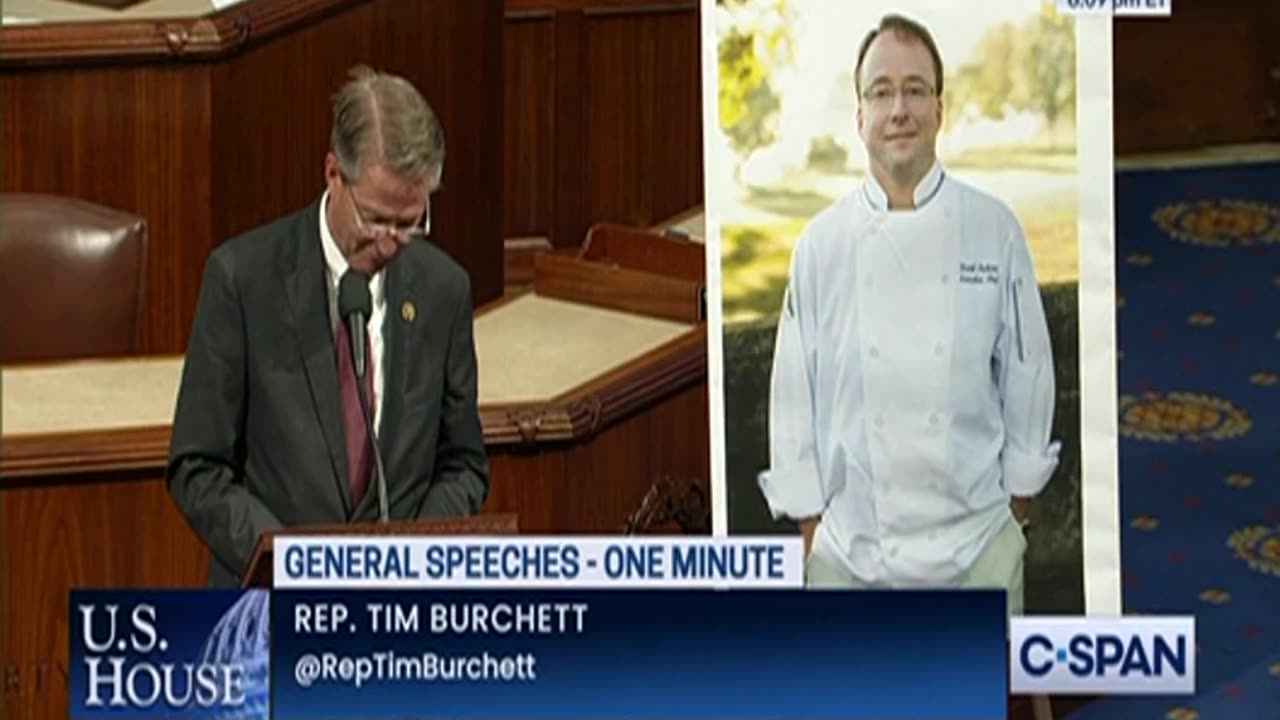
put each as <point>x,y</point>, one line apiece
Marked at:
<point>999,565</point>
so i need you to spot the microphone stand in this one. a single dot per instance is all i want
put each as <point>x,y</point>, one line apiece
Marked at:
<point>380,475</point>
<point>359,337</point>
<point>354,306</point>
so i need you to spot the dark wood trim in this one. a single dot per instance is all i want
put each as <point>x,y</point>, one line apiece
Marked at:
<point>581,412</point>
<point>32,456</point>
<point>216,35</point>
<point>594,7</point>
<point>528,15</point>
<point>1233,100</point>
<point>646,251</point>
<point>614,10</point>
<point>619,288</point>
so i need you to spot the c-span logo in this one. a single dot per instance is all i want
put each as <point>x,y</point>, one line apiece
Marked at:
<point>1102,656</point>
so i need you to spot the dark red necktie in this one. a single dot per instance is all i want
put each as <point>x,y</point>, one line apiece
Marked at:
<point>359,451</point>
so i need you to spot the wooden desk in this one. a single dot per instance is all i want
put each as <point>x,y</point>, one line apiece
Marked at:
<point>586,410</point>
<point>554,376</point>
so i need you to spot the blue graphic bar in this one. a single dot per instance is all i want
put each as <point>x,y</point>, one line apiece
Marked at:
<point>638,654</point>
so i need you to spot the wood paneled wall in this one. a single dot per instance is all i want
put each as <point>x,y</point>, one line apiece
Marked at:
<point>207,129</point>
<point>99,530</point>
<point>603,114</point>
<point>558,114</point>
<point>1209,74</point>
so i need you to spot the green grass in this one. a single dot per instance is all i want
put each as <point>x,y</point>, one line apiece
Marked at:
<point>788,202</point>
<point>1052,228</point>
<point>1055,159</point>
<point>754,267</point>
<point>756,254</point>
<point>755,258</point>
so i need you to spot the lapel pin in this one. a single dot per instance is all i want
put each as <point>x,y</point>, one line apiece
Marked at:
<point>408,311</point>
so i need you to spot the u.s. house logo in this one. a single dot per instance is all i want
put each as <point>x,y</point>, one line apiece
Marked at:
<point>169,654</point>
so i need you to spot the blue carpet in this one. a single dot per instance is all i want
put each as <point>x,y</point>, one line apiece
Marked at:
<point>1255,692</point>
<point>1198,274</point>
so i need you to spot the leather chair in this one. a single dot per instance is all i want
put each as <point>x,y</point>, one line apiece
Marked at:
<point>72,279</point>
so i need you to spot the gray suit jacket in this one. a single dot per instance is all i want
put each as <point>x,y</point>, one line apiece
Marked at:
<point>257,435</point>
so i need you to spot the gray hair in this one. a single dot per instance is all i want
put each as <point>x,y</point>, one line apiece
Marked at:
<point>382,117</point>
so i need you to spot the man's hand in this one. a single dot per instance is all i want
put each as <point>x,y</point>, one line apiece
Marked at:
<point>1021,507</point>
<point>807,528</point>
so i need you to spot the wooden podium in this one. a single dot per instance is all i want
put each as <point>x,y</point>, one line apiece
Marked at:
<point>262,562</point>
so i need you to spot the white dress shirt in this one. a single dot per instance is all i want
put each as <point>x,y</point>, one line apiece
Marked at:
<point>335,267</point>
<point>912,388</point>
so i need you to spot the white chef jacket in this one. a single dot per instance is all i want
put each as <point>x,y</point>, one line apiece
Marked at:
<point>912,390</point>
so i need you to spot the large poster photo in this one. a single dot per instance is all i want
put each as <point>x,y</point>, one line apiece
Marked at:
<point>896,188</point>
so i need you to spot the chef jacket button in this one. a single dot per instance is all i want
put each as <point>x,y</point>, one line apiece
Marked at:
<point>875,353</point>
<point>945,278</point>
<point>880,421</point>
<point>937,349</point>
<point>933,418</point>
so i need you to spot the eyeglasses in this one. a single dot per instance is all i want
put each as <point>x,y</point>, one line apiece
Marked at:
<point>419,229</point>
<point>914,93</point>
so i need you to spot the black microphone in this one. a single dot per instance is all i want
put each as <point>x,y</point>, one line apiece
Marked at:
<point>354,307</point>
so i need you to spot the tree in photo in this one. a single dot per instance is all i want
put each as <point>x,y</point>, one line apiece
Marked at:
<point>756,42</point>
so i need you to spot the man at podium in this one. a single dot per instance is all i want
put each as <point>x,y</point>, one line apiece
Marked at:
<point>331,373</point>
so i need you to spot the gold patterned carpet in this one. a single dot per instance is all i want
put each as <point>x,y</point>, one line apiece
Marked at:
<point>1198,276</point>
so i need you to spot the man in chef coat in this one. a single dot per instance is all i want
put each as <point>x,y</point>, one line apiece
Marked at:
<point>913,381</point>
